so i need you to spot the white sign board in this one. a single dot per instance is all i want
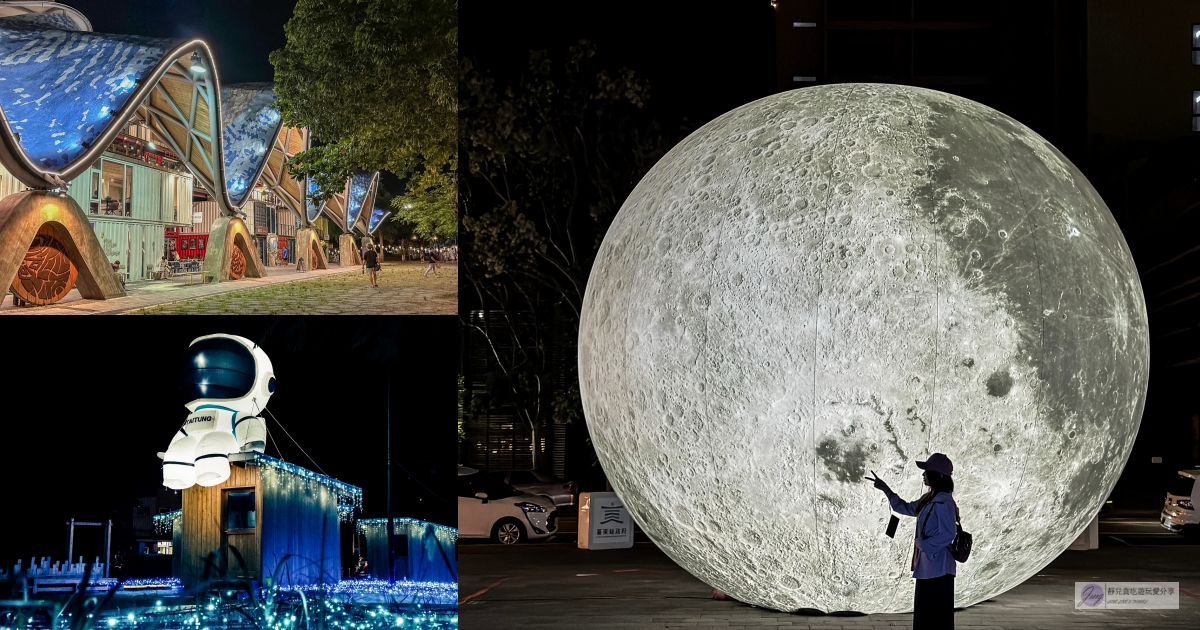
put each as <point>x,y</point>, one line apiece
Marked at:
<point>1125,595</point>
<point>608,523</point>
<point>197,217</point>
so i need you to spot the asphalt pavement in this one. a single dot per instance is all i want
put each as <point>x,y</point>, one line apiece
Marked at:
<point>549,584</point>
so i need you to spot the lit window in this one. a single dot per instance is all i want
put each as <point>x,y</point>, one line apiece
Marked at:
<point>94,204</point>
<point>128,191</point>
<point>1196,44</point>
<point>113,187</point>
<point>1195,110</point>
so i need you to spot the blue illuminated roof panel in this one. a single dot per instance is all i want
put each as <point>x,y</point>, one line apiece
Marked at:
<point>39,21</point>
<point>251,122</point>
<point>59,89</point>
<point>312,208</point>
<point>378,216</point>
<point>360,184</point>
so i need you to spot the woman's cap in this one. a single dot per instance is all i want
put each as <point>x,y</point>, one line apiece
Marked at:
<point>937,463</point>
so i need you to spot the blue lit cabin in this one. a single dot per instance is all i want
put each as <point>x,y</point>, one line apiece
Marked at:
<point>424,551</point>
<point>282,520</point>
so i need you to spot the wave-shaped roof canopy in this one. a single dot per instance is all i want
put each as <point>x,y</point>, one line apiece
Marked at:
<point>61,91</point>
<point>45,14</point>
<point>275,174</point>
<point>65,94</point>
<point>378,216</point>
<point>360,196</point>
<point>344,208</point>
<point>251,124</point>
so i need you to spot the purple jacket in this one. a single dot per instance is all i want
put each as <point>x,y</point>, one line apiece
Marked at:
<point>935,531</point>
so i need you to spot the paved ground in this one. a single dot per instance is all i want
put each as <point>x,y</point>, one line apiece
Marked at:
<point>332,291</point>
<point>538,585</point>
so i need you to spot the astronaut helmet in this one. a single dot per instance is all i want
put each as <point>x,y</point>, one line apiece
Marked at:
<point>228,371</point>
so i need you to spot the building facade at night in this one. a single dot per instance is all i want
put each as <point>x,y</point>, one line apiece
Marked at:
<point>153,131</point>
<point>133,197</point>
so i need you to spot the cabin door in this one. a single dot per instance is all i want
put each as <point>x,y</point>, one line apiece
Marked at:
<point>239,533</point>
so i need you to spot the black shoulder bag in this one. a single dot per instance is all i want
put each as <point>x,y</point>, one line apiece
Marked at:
<point>960,549</point>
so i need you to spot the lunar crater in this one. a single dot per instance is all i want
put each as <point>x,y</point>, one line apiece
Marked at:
<point>852,297</point>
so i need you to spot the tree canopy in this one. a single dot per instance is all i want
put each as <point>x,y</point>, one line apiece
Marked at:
<point>548,161</point>
<point>375,81</point>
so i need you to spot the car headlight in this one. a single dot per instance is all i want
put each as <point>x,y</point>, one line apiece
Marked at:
<point>530,507</point>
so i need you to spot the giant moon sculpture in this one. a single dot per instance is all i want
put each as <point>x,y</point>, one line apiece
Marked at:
<point>847,278</point>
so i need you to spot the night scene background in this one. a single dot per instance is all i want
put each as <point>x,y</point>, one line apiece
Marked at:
<point>85,433</point>
<point>1109,83</point>
<point>241,34</point>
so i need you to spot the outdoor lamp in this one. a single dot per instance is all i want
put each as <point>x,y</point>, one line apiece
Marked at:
<point>197,67</point>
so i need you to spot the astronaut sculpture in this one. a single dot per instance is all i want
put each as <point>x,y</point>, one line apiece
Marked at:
<point>230,380</point>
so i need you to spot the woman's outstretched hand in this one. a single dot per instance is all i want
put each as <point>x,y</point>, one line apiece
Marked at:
<point>879,483</point>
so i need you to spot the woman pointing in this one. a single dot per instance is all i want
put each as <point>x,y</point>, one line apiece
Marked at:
<point>933,566</point>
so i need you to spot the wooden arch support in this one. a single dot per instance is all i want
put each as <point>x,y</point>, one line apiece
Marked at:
<point>47,245</point>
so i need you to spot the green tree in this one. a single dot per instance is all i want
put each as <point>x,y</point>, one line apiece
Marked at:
<point>547,161</point>
<point>375,82</point>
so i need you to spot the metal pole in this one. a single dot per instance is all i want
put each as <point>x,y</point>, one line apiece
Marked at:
<point>107,546</point>
<point>70,539</point>
<point>391,527</point>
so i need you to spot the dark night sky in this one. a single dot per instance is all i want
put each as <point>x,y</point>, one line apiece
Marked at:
<point>704,59</point>
<point>700,62</point>
<point>86,420</point>
<point>241,32</point>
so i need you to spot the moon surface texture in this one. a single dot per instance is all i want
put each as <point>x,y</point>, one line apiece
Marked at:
<point>848,278</point>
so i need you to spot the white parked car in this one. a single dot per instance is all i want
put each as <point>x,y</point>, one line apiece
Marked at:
<point>488,508</point>
<point>1179,510</point>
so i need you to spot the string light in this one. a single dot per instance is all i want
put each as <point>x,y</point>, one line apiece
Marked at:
<point>413,527</point>
<point>350,605</point>
<point>164,523</point>
<point>444,593</point>
<point>349,498</point>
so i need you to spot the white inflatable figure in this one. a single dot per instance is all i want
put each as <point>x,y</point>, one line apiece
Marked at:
<point>230,380</point>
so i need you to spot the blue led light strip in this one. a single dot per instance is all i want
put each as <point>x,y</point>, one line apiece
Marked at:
<point>443,532</point>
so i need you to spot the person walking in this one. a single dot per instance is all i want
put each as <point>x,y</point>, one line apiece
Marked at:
<point>371,262</point>
<point>933,566</point>
<point>428,257</point>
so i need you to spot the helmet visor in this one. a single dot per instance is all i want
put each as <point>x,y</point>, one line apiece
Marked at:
<point>217,368</point>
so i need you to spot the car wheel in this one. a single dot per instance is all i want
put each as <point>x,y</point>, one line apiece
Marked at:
<point>508,532</point>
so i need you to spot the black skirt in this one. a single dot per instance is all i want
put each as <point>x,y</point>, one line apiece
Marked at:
<point>934,606</point>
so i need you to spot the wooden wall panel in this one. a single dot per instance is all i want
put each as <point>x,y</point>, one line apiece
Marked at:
<point>202,525</point>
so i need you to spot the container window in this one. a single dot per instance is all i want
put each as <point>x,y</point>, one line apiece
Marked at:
<point>239,510</point>
<point>112,187</point>
<point>128,191</point>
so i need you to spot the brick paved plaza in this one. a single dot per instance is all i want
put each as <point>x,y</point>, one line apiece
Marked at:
<point>334,291</point>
